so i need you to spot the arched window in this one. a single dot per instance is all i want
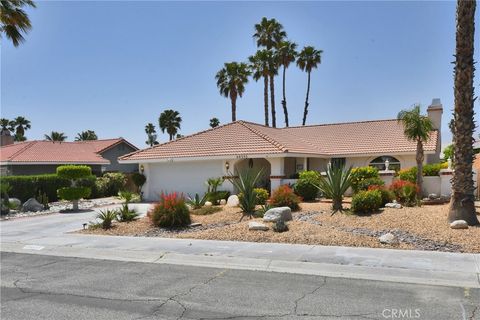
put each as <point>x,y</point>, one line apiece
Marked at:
<point>379,163</point>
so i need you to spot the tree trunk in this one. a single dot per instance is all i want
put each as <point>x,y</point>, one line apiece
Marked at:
<point>305,112</point>
<point>419,157</point>
<point>462,206</point>
<point>284,101</point>
<point>265,99</point>
<point>75,205</point>
<point>272,101</point>
<point>234,107</point>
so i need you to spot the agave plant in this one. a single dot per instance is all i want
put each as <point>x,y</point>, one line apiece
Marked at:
<point>245,184</point>
<point>106,218</point>
<point>197,202</point>
<point>335,184</point>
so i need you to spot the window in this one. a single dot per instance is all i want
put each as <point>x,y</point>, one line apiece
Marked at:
<point>379,163</point>
<point>338,162</point>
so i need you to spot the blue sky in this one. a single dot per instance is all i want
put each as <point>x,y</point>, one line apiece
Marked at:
<point>114,66</point>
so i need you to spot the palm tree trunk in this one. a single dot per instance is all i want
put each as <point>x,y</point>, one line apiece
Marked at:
<point>462,206</point>
<point>272,101</point>
<point>284,101</point>
<point>265,99</point>
<point>305,111</point>
<point>234,107</point>
<point>420,157</point>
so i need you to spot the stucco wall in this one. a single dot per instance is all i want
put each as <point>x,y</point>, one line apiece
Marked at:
<point>112,154</point>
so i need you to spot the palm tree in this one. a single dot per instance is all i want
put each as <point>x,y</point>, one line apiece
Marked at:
<point>5,126</point>
<point>231,80</point>
<point>151,135</point>
<point>462,206</point>
<point>286,53</point>
<point>259,64</point>
<point>214,122</point>
<point>308,59</point>
<point>86,136</point>
<point>56,136</point>
<point>417,128</point>
<point>169,121</point>
<point>19,125</point>
<point>14,19</point>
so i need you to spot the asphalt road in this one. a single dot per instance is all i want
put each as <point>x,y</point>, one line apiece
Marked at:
<point>48,287</point>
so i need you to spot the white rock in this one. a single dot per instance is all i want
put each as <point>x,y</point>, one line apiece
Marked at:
<point>233,201</point>
<point>195,224</point>
<point>280,213</point>
<point>459,224</point>
<point>15,201</point>
<point>387,238</point>
<point>393,205</point>
<point>208,204</point>
<point>223,202</point>
<point>257,226</point>
<point>433,196</point>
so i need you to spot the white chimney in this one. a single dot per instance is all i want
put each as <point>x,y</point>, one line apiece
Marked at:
<point>434,112</point>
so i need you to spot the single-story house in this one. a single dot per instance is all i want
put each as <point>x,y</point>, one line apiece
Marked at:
<point>185,164</point>
<point>39,157</point>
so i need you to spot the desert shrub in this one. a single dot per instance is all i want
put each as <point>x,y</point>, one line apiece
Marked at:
<point>139,180</point>
<point>125,214</point>
<point>106,218</point>
<point>128,197</point>
<point>261,195</point>
<point>284,196</point>
<point>366,201</point>
<point>263,209</point>
<point>360,174</point>
<point>307,185</point>
<point>111,183</point>
<point>405,192</point>
<point>280,226</point>
<point>170,212</point>
<point>335,184</point>
<point>387,195</point>
<point>196,202</point>
<point>26,187</point>
<point>245,184</point>
<point>206,211</point>
<point>432,170</point>
<point>73,193</point>
<point>363,185</point>
<point>215,196</point>
<point>408,174</point>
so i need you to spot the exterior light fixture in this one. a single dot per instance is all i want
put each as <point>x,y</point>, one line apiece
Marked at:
<point>84,226</point>
<point>142,168</point>
<point>227,165</point>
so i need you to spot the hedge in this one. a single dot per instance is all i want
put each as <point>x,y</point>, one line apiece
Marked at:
<point>74,172</point>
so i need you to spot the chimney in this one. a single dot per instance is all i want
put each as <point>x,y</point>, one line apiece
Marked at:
<point>434,112</point>
<point>5,138</point>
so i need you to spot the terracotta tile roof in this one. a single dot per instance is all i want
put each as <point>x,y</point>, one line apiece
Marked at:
<point>81,152</point>
<point>243,138</point>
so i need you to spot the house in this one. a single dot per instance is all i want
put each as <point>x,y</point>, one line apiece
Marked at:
<point>39,157</point>
<point>185,164</point>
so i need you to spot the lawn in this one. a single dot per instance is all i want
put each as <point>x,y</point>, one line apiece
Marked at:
<point>420,228</point>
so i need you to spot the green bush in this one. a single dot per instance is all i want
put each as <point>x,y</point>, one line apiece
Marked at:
<point>170,212</point>
<point>73,193</point>
<point>366,201</point>
<point>358,175</point>
<point>139,180</point>
<point>367,183</point>
<point>26,187</point>
<point>307,185</point>
<point>284,196</point>
<point>387,195</point>
<point>261,195</point>
<point>111,183</point>
<point>74,172</point>
<point>215,196</point>
<point>405,192</point>
<point>408,174</point>
<point>433,170</point>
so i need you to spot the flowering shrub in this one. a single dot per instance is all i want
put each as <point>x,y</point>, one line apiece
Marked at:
<point>360,174</point>
<point>284,196</point>
<point>408,174</point>
<point>261,195</point>
<point>387,195</point>
<point>170,212</point>
<point>405,192</point>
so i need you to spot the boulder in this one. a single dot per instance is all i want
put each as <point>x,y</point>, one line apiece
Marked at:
<point>280,213</point>
<point>32,205</point>
<point>433,196</point>
<point>253,225</point>
<point>387,238</point>
<point>394,205</point>
<point>208,204</point>
<point>233,201</point>
<point>459,224</point>
<point>4,209</point>
<point>195,224</point>
<point>16,202</point>
<point>223,202</point>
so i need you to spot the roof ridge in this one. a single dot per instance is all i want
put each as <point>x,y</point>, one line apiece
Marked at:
<point>29,145</point>
<point>266,137</point>
<point>336,123</point>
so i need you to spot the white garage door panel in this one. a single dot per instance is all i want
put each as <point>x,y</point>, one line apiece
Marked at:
<point>184,177</point>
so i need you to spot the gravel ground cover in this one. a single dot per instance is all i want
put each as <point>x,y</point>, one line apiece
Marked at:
<point>420,228</point>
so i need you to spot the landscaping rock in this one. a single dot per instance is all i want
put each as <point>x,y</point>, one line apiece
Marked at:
<point>208,204</point>
<point>32,205</point>
<point>394,205</point>
<point>223,202</point>
<point>387,238</point>
<point>233,201</point>
<point>275,214</point>
<point>15,202</point>
<point>195,224</point>
<point>257,226</point>
<point>4,209</point>
<point>433,196</point>
<point>459,224</point>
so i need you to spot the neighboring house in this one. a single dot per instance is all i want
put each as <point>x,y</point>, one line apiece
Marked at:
<point>38,157</point>
<point>184,164</point>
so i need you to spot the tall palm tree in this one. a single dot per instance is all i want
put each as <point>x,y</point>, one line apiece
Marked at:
<point>56,136</point>
<point>19,126</point>
<point>214,122</point>
<point>259,64</point>
<point>86,136</point>
<point>169,121</point>
<point>151,134</point>
<point>5,125</point>
<point>14,20</point>
<point>308,59</point>
<point>417,128</point>
<point>231,80</point>
<point>462,206</point>
<point>286,54</point>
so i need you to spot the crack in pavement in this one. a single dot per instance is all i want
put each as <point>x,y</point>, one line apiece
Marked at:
<point>307,294</point>
<point>472,317</point>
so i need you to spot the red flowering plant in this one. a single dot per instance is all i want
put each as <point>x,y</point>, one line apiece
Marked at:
<point>405,192</point>
<point>387,195</point>
<point>284,196</point>
<point>170,212</point>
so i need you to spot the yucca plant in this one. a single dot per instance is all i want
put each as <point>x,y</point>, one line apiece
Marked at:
<point>213,184</point>
<point>246,184</point>
<point>197,202</point>
<point>334,185</point>
<point>106,218</point>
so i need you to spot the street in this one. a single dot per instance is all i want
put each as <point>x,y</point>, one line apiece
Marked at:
<point>48,287</point>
